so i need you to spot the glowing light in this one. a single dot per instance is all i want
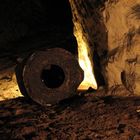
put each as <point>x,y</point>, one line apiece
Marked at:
<point>84,58</point>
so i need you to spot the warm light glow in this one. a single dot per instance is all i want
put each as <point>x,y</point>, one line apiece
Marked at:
<point>9,89</point>
<point>85,62</point>
<point>84,52</point>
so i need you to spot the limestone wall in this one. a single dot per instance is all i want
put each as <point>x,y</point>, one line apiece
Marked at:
<point>112,30</point>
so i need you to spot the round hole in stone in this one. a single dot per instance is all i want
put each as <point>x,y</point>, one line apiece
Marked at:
<point>53,76</point>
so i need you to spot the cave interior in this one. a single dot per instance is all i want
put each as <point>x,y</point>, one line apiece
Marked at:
<point>31,26</point>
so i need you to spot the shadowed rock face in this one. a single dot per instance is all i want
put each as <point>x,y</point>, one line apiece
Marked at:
<point>33,24</point>
<point>112,29</point>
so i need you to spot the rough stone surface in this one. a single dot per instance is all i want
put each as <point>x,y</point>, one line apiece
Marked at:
<point>81,118</point>
<point>112,30</point>
<point>8,85</point>
<point>123,26</point>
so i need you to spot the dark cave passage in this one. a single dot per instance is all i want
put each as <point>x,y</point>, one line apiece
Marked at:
<point>33,24</point>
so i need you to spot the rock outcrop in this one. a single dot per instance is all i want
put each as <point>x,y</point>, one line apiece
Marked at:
<point>112,31</point>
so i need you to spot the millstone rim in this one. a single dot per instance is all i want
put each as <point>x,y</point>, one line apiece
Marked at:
<point>56,56</point>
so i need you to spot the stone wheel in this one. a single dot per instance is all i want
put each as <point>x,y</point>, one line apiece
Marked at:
<point>50,76</point>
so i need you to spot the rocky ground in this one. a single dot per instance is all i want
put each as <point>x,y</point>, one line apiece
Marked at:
<point>91,116</point>
<point>88,117</point>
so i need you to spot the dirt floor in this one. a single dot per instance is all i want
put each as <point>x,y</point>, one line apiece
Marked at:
<point>87,117</point>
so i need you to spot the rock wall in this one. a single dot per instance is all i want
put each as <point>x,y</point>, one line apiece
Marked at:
<point>112,30</point>
<point>122,67</point>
